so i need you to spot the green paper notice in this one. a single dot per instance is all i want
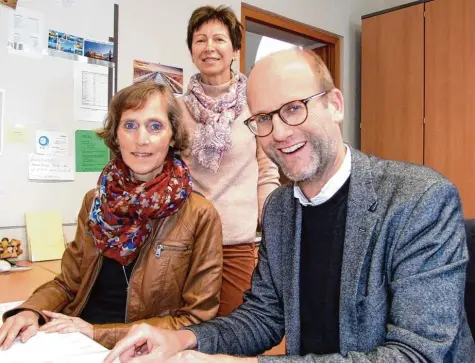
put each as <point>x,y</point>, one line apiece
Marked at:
<point>91,152</point>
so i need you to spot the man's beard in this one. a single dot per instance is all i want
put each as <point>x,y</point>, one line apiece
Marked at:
<point>322,156</point>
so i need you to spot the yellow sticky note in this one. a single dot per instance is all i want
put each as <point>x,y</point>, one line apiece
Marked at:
<point>45,235</point>
<point>16,134</point>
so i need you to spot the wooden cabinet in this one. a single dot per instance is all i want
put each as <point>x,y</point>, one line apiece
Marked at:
<point>449,142</point>
<point>418,89</point>
<point>392,97</point>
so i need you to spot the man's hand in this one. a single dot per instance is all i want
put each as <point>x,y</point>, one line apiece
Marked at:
<point>24,324</point>
<point>191,356</point>
<point>151,344</point>
<point>61,323</point>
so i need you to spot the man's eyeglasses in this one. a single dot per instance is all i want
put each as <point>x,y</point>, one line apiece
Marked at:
<point>292,113</point>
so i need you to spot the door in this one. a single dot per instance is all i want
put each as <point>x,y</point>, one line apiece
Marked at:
<point>326,53</point>
<point>450,94</point>
<point>392,84</point>
<point>290,31</point>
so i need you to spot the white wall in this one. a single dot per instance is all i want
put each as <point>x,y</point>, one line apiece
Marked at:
<point>156,31</point>
<point>371,6</point>
<point>392,3</point>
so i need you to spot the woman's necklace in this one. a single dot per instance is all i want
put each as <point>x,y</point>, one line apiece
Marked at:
<point>125,275</point>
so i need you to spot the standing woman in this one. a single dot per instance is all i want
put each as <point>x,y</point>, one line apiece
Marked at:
<point>226,163</point>
<point>147,249</point>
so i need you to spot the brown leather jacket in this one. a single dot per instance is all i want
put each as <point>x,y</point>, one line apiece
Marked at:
<point>175,282</point>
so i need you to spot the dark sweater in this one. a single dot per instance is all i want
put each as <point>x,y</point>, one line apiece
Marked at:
<point>108,298</point>
<point>323,235</point>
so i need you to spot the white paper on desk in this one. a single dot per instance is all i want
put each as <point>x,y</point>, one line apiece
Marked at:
<point>52,348</point>
<point>55,348</point>
<point>51,142</point>
<point>90,92</point>
<point>25,36</point>
<point>50,167</point>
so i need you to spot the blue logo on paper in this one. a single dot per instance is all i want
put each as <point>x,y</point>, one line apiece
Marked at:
<point>43,140</point>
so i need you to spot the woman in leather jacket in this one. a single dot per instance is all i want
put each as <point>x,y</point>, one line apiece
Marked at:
<point>147,249</point>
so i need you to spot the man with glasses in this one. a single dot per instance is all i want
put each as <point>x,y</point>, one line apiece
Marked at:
<point>362,260</point>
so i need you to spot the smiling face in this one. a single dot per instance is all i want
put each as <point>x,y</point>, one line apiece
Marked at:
<point>212,52</point>
<point>144,137</point>
<point>314,149</point>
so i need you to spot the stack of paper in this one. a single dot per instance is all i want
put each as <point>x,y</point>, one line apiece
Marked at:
<point>45,235</point>
<point>53,347</point>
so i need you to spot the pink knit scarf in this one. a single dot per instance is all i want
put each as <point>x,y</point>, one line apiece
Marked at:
<point>215,117</point>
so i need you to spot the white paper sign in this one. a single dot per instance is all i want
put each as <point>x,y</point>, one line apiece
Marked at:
<point>49,167</point>
<point>90,92</point>
<point>26,32</point>
<point>51,143</point>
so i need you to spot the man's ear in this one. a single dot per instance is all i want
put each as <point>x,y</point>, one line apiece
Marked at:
<point>337,105</point>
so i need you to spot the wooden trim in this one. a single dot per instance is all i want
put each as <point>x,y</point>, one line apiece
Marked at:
<point>417,2</point>
<point>249,12</point>
<point>242,52</point>
<point>337,54</point>
<point>283,23</point>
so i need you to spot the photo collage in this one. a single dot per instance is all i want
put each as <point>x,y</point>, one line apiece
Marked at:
<point>72,44</point>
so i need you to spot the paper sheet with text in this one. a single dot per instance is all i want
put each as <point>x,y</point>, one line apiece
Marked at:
<point>53,347</point>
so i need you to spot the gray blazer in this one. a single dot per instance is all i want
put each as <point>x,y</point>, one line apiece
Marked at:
<point>402,278</point>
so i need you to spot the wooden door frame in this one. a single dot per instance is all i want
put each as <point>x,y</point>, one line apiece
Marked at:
<point>249,12</point>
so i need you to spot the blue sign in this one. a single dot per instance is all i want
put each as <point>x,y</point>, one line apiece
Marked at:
<point>43,140</point>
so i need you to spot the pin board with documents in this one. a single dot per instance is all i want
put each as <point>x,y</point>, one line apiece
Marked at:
<point>56,61</point>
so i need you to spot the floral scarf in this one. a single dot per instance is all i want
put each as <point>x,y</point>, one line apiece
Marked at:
<point>215,117</point>
<point>120,218</point>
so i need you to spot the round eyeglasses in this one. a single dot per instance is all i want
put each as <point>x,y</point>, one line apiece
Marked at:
<point>293,113</point>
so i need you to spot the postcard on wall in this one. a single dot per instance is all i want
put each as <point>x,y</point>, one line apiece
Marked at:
<point>90,92</point>
<point>25,36</point>
<point>167,75</point>
<point>2,111</point>
<point>50,167</point>
<point>10,3</point>
<point>103,51</point>
<point>51,143</point>
<point>66,43</point>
